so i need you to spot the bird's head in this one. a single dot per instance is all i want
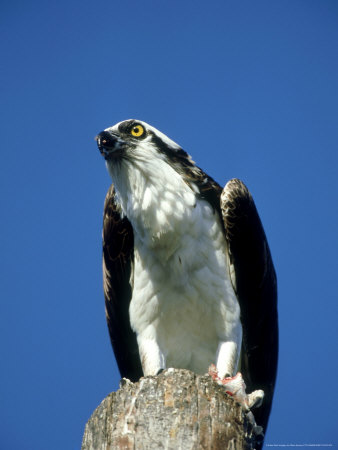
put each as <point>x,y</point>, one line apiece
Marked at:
<point>134,139</point>
<point>137,153</point>
<point>145,165</point>
<point>143,162</point>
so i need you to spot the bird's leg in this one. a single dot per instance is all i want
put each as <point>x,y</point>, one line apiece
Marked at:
<point>152,358</point>
<point>227,357</point>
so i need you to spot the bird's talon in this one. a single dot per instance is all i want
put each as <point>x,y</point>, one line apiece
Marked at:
<point>235,387</point>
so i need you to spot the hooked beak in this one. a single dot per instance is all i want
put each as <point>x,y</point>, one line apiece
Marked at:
<point>107,143</point>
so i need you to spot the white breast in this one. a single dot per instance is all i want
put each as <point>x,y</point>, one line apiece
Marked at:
<point>182,297</point>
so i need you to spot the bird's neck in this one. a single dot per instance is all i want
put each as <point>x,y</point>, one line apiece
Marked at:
<point>154,197</point>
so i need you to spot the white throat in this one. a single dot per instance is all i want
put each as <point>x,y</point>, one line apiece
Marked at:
<point>152,195</point>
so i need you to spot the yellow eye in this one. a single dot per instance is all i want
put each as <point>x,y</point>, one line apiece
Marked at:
<point>137,130</point>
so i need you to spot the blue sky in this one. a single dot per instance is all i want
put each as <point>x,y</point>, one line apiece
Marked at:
<point>250,90</point>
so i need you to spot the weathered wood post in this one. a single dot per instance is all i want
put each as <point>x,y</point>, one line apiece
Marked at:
<point>174,410</point>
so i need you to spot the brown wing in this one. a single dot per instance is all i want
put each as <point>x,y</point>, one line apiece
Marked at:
<point>118,260</point>
<point>255,283</point>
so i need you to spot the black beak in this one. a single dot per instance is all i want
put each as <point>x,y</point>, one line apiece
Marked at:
<point>106,142</point>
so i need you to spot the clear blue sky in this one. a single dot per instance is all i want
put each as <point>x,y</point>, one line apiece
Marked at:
<point>250,90</point>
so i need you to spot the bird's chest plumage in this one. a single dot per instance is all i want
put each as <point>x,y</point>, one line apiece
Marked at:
<point>182,296</point>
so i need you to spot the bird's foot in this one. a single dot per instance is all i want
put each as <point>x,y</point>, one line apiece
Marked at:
<point>235,387</point>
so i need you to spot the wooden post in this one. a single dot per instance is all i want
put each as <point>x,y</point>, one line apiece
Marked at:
<point>174,410</point>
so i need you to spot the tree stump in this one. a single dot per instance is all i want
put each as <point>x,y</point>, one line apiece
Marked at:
<point>174,410</point>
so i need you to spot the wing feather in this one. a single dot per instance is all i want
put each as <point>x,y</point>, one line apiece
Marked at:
<point>118,259</point>
<point>255,283</point>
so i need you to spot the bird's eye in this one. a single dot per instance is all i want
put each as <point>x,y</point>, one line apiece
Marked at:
<point>137,131</point>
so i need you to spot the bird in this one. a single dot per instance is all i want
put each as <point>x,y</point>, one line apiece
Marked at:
<point>188,275</point>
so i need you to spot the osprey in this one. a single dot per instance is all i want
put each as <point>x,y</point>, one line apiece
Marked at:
<point>188,275</point>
